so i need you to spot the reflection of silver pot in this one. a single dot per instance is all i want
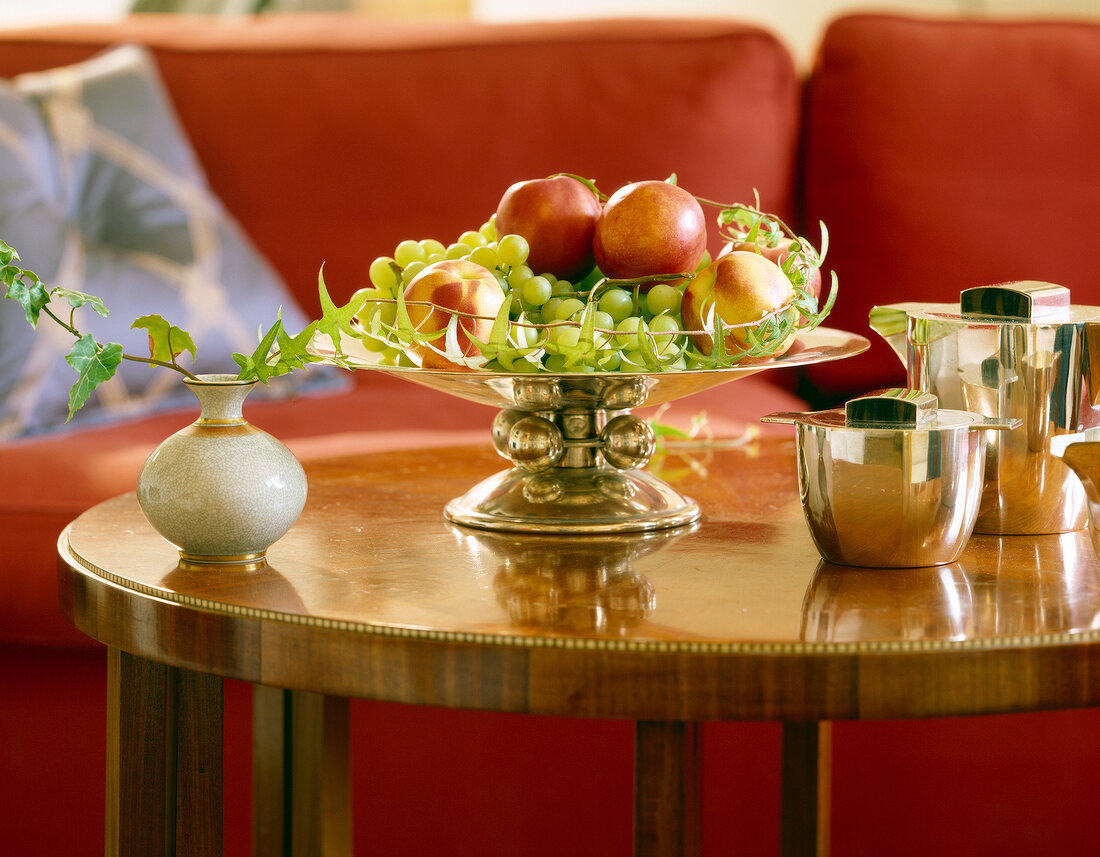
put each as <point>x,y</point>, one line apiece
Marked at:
<point>853,605</point>
<point>890,481</point>
<point>1013,351</point>
<point>1009,587</point>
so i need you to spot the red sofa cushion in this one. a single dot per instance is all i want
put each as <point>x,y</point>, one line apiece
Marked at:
<point>947,154</point>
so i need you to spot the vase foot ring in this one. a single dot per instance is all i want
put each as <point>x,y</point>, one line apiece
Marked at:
<point>238,562</point>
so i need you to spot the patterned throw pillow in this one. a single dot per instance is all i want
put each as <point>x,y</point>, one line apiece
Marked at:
<point>101,192</point>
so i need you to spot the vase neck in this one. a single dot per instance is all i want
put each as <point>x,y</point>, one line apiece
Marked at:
<point>221,398</point>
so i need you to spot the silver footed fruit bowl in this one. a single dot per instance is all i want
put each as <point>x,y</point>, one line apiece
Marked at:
<point>577,453</point>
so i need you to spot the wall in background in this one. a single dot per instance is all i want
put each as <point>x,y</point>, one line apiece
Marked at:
<point>797,22</point>
<point>16,13</point>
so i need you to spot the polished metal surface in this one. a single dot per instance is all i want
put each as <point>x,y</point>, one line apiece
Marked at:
<point>601,390</point>
<point>1015,351</point>
<point>1081,453</point>
<point>576,451</point>
<point>891,480</point>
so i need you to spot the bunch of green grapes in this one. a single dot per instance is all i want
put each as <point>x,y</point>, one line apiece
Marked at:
<point>547,313</point>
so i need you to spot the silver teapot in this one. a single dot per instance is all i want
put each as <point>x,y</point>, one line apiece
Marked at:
<point>1015,350</point>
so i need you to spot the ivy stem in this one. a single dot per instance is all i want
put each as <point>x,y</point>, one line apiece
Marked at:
<point>132,357</point>
<point>150,361</point>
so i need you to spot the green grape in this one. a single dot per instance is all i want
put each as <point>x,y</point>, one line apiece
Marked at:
<point>456,251</point>
<point>383,275</point>
<point>617,303</point>
<point>603,321</point>
<point>524,335</point>
<point>628,332</point>
<point>663,298</point>
<point>387,312</point>
<point>519,275</point>
<point>561,287</point>
<point>549,308</point>
<point>371,343</point>
<point>664,325</point>
<point>489,228</point>
<point>568,308</point>
<point>536,291</point>
<point>409,251</point>
<point>486,256</point>
<point>610,361</point>
<point>565,335</point>
<point>432,248</point>
<point>379,305</point>
<point>412,269</point>
<point>555,363</point>
<point>472,238</point>
<point>391,356</point>
<point>513,250</point>
<point>632,361</point>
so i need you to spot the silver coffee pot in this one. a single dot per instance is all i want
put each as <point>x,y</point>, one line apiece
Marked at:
<point>1015,350</point>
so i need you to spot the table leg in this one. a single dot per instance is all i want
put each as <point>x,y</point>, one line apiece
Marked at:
<point>807,771</point>
<point>667,768</point>
<point>164,760</point>
<point>301,775</point>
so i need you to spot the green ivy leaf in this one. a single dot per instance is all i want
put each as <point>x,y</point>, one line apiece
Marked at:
<point>33,295</point>
<point>78,299</point>
<point>166,341</point>
<point>293,351</point>
<point>336,320</point>
<point>94,364</point>
<point>7,254</point>
<point>255,365</point>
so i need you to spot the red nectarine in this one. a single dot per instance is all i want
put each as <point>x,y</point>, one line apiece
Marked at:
<point>648,228</point>
<point>740,287</point>
<point>452,285</point>
<point>557,216</point>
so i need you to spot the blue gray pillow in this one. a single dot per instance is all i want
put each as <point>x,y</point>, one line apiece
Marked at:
<point>101,192</point>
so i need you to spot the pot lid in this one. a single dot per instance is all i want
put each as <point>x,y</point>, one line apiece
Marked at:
<point>895,409</point>
<point>1018,302</point>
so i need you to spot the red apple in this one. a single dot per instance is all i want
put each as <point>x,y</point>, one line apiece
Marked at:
<point>557,216</point>
<point>779,254</point>
<point>741,287</point>
<point>649,227</point>
<point>457,285</point>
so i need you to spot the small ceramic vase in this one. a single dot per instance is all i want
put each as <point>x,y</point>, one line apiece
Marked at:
<point>221,490</point>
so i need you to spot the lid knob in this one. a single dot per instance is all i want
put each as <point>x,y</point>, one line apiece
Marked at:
<point>1024,300</point>
<point>897,407</point>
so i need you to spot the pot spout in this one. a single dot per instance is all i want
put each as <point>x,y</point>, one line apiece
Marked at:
<point>891,322</point>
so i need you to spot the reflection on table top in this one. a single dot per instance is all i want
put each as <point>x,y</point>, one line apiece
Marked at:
<point>372,553</point>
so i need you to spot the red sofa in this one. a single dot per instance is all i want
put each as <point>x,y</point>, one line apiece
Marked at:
<point>940,154</point>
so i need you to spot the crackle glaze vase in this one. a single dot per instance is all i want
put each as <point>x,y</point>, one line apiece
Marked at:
<point>221,490</point>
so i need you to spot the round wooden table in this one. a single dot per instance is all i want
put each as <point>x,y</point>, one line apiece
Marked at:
<point>373,594</point>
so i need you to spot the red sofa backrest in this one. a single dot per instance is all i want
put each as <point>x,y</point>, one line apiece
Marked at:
<point>947,154</point>
<point>333,138</point>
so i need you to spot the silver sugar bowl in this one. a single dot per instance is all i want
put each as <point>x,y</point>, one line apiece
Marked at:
<point>891,480</point>
<point>1014,351</point>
